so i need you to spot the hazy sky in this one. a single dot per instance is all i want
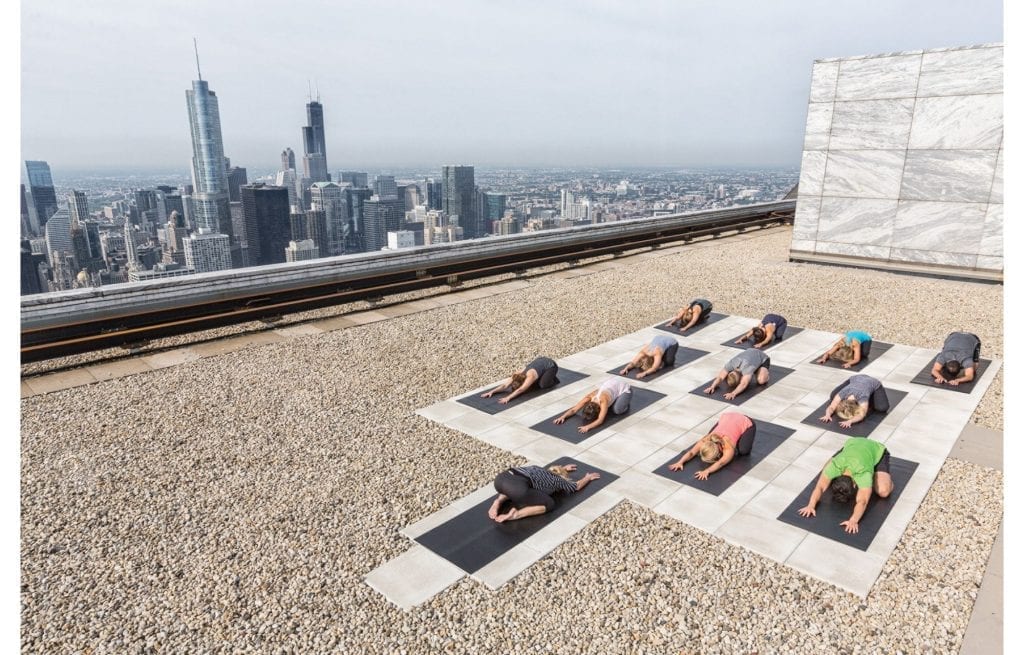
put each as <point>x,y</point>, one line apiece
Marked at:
<point>516,82</point>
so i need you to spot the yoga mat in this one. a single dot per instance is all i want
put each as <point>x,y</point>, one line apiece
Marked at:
<point>492,406</point>
<point>568,431</point>
<point>862,429</point>
<point>828,515</point>
<point>713,317</point>
<point>769,437</point>
<point>472,539</point>
<point>878,348</point>
<point>775,373</point>
<point>684,356</point>
<point>790,331</point>
<point>925,378</point>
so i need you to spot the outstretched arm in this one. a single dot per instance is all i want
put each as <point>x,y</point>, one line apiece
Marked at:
<point>937,373</point>
<point>769,334</point>
<point>819,489</point>
<point>717,381</point>
<point>600,416</point>
<point>740,388</point>
<point>632,363</point>
<point>585,480</point>
<point>655,365</point>
<point>856,355</point>
<point>861,504</point>
<point>687,456</point>
<point>836,346</point>
<point>966,375</point>
<point>697,312</point>
<point>506,383</point>
<point>575,408</point>
<point>727,454</point>
<point>531,377</point>
<point>749,333</point>
<point>827,418</point>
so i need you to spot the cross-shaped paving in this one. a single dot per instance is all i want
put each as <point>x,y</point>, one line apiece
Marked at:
<point>923,428</point>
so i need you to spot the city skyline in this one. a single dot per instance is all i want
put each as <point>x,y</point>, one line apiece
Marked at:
<point>645,85</point>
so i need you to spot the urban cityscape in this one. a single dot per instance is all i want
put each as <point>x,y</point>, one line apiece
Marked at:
<point>88,230</point>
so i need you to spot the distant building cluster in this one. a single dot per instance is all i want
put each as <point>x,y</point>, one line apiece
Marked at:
<point>221,221</point>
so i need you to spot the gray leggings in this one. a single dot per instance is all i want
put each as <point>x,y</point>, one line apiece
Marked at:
<point>621,404</point>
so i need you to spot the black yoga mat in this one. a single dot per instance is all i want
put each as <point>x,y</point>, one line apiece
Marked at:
<point>749,343</point>
<point>472,539</point>
<point>925,378</point>
<point>492,406</point>
<point>878,348</point>
<point>713,317</point>
<point>775,373</point>
<point>684,356</point>
<point>568,431</point>
<point>862,429</point>
<point>769,437</point>
<point>828,515</point>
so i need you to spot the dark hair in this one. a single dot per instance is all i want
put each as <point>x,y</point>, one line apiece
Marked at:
<point>590,411</point>
<point>843,489</point>
<point>953,367</point>
<point>517,380</point>
<point>758,334</point>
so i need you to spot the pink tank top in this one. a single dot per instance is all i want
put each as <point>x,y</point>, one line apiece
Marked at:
<point>731,425</point>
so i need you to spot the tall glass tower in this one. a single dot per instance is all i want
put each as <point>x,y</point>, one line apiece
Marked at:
<point>40,184</point>
<point>209,170</point>
<point>314,143</point>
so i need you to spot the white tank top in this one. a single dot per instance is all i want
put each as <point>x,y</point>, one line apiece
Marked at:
<point>614,386</point>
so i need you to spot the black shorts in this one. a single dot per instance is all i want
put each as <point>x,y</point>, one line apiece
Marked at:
<point>883,464</point>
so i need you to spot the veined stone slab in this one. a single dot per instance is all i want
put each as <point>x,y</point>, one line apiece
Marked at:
<point>863,173</point>
<point>958,122</point>
<point>879,77</point>
<point>852,250</point>
<point>942,226</point>
<point>819,121</point>
<point>864,221</point>
<point>961,72</point>
<point>812,172</point>
<point>823,81</point>
<point>948,175</point>
<point>990,263</point>
<point>997,180</point>
<point>871,124</point>
<point>992,232</point>
<point>962,260</point>
<point>805,222</point>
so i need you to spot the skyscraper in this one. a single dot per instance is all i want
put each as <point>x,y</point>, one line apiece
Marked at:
<point>381,216</point>
<point>356,179</point>
<point>459,198</point>
<point>208,252</point>
<point>434,193</point>
<point>40,184</point>
<point>495,203</point>
<point>267,223</point>
<point>27,229</point>
<point>385,187</point>
<point>58,234</point>
<point>209,168</point>
<point>237,178</point>
<point>314,161</point>
<point>329,198</point>
<point>287,159</point>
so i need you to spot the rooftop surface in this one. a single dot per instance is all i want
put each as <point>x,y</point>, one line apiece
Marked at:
<point>240,496</point>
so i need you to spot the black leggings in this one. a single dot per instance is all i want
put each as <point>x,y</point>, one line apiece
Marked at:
<point>549,378</point>
<point>865,349</point>
<point>746,442</point>
<point>878,401</point>
<point>668,358</point>
<point>520,493</point>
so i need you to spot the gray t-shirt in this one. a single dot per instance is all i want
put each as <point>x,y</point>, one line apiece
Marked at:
<point>747,361</point>
<point>860,387</point>
<point>663,342</point>
<point>959,346</point>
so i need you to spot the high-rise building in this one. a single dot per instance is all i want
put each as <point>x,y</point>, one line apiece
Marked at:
<point>237,178</point>
<point>298,251</point>
<point>209,167</point>
<point>357,180</point>
<point>44,196</point>
<point>314,144</point>
<point>30,270</point>
<point>354,198</point>
<point>329,198</point>
<point>27,229</point>
<point>385,187</point>
<point>411,194</point>
<point>434,192</point>
<point>459,198</point>
<point>267,224</point>
<point>287,159</point>
<point>58,234</point>
<point>207,252</point>
<point>495,204</point>
<point>312,225</point>
<point>78,206</point>
<point>381,216</point>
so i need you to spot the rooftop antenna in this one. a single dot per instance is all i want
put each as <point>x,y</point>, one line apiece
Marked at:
<point>318,91</point>
<point>309,90</point>
<point>195,44</point>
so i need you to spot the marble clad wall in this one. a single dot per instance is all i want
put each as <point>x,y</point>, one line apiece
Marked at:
<point>903,160</point>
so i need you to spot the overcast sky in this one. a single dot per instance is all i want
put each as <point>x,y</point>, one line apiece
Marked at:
<point>515,82</point>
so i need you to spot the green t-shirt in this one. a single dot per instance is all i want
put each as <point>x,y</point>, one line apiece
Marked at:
<point>859,455</point>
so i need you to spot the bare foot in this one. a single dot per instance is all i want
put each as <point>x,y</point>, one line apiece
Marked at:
<point>508,516</point>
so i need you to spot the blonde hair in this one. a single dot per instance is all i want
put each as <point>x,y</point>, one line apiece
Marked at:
<point>733,379</point>
<point>517,380</point>
<point>688,314</point>
<point>711,449</point>
<point>847,409</point>
<point>645,362</point>
<point>844,354</point>
<point>560,471</point>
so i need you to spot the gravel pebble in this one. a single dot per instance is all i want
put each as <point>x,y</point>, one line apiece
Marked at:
<point>234,503</point>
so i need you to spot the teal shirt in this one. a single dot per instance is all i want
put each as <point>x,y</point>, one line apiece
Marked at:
<point>859,456</point>
<point>860,335</point>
